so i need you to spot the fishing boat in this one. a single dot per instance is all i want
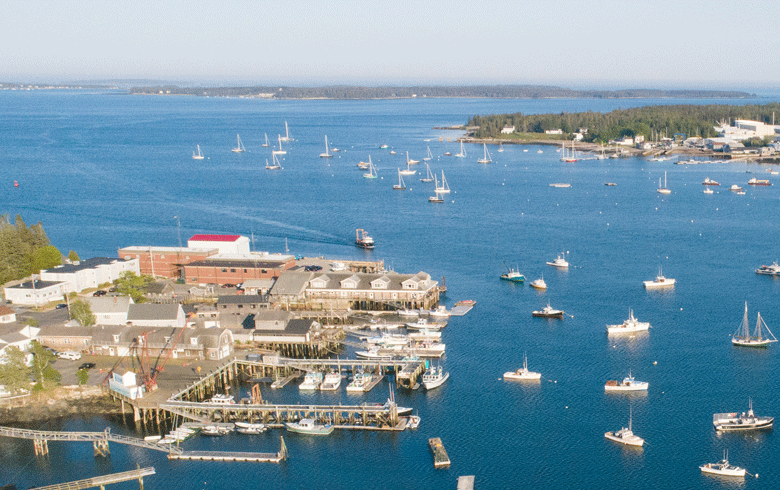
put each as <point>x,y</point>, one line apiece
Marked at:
<point>222,399</point>
<point>275,165</point>
<point>309,427</point>
<point>629,326</point>
<point>769,270</point>
<point>408,312</point>
<point>383,146</point>
<point>660,281</point>
<point>442,187</point>
<point>434,377</point>
<point>311,381</point>
<point>331,382</point>
<point>286,136</point>
<point>413,422</point>
<point>424,324</point>
<point>428,174</point>
<point>664,189</point>
<point>327,153</point>
<point>447,154</point>
<point>240,146</point>
<point>400,186</point>
<point>360,382</point>
<point>371,174</point>
<point>362,239</point>
<point>376,353</point>
<point>723,467</point>
<point>462,153</point>
<point>486,157</point>
<point>392,152</point>
<point>741,421</point>
<point>755,181</point>
<point>708,181</point>
<point>280,151</point>
<point>266,144</point>
<point>408,171</point>
<point>628,384</point>
<point>560,262</point>
<point>436,199</point>
<point>429,156</point>
<point>539,283</point>
<point>743,338</point>
<point>548,312</point>
<point>409,161</point>
<point>512,275</point>
<point>626,435</point>
<point>523,373</point>
<point>197,155</point>
<point>250,428</point>
<point>439,312</point>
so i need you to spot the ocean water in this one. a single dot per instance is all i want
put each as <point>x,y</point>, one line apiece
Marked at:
<point>102,170</point>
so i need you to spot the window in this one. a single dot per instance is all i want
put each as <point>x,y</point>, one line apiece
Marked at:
<point>232,270</point>
<point>240,306</point>
<point>66,341</point>
<point>245,271</point>
<point>224,270</point>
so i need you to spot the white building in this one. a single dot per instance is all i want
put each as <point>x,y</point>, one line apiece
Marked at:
<point>36,293</point>
<point>7,315</point>
<point>156,315</point>
<point>553,131</point>
<point>226,244</point>
<point>90,273</point>
<point>507,130</point>
<point>745,129</point>
<point>110,310</point>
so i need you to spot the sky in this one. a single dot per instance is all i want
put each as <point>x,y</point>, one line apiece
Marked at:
<point>575,44</point>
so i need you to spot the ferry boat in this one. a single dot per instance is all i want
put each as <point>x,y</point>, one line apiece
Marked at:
<point>362,239</point>
<point>560,262</point>
<point>723,468</point>
<point>755,181</point>
<point>310,427</point>
<point>741,421</point>
<point>548,312</point>
<point>539,283</point>
<point>630,325</point>
<point>513,276</point>
<point>523,373</point>
<point>708,181</point>
<point>311,381</point>
<point>222,399</point>
<point>660,281</point>
<point>331,382</point>
<point>743,338</point>
<point>628,384</point>
<point>434,377</point>
<point>769,270</point>
<point>626,435</point>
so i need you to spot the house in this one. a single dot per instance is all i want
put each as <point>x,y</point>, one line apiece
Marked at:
<point>36,293</point>
<point>156,315</point>
<point>553,131</point>
<point>226,244</point>
<point>17,335</point>
<point>165,261</point>
<point>507,130</point>
<point>289,290</point>
<point>90,273</point>
<point>110,310</point>
<point>294,331</point>
<point>234,309</point>
<point>217,342</point>
<point>7,315</point>
<point>258,286</point>
<point>65,338</point>
<point>162,343</point>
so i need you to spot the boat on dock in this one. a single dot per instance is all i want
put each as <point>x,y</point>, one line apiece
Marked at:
<point>439,312</point>
<point>523,374</point>
<point>629,326</point>
<point>560,262</point>
<point>376,353</point>
<point>723,468</point>
<point>440,458</point>
<point>626,435</point>
<point>741,421</point>
<point>222,399</point>
<point>628,384</point>
<point>660,281</point>
<point>434,377</point>
<point>332,382</point>
<point>408,312</point>
<point>548,312</point>
<point>309,427</point>
<point>360,382</point>
<point>215,430</point>
<point>769,270</point>
<point>250,428</point>
<point>413,422</point>
<point>743,338</point>
<point>424,324</point>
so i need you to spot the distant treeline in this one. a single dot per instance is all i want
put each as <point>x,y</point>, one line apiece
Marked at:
<point>477,91</point>
<point>649,121</point>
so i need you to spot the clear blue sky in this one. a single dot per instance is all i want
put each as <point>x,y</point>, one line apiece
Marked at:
<point>570,43</point>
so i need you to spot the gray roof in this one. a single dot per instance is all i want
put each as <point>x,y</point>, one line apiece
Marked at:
<point>152,311</point>
<point>238,264</point>
<point>296,327</point>
<point>38,284</point>
<point>158,287</point>
<point>63,331</point>
<point>394,281</point>
<point>242,299</point>
<point>14,337</point>
<point>108,304</point>
<point>84,264</point>
<point>291,283</point>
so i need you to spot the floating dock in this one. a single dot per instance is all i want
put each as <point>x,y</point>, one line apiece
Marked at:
<point>466,482</point>
<point>228,456</point>
<point>440,458</point>
<point>460,310</point>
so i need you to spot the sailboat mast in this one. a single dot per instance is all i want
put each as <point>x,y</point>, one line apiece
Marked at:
<point>746,324</point>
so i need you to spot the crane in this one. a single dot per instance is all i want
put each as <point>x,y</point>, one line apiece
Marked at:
<point>149,373</point>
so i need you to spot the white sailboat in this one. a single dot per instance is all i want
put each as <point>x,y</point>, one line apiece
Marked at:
<point>429,157</point>
<point>462,153</point>
<point>266,144</point>
<point>275,165</point>
<point>286,136</point>
<point>240,146</point>
<point>743,338</point>
<point>436,199</point>
<point>444,188</point>
<point>280,151</point>
<point>400,186</point>
<point>486,158</point>
<point>500,147</point>
<point>428,175</point>
<point>409,161</point>
<point>197,155</point>
<point>408,171</point>
<point>663,190</point>
<point>371,174</point>
<point>569,157</point>
<point>327,153</point>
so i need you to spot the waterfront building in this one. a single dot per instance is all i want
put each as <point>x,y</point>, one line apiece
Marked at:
<point>36,293</point>
<point>235,310</point>
<point>172,292</point>
<point>294,331</point>
<point>230,269</point>
<point>17,335</point>
<point>125,383</point>
<point>193,343</point>
<point>165,262</point>
<point>258,286</point>
<point>226,244</point>
<point>66,338</point>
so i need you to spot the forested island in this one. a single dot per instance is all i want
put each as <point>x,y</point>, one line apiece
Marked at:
<point>476,91</point>
<point>649,121</point>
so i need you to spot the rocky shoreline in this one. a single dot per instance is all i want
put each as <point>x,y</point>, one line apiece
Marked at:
<point>62,402</point>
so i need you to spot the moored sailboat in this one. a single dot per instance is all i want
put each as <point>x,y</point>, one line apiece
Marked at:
<point>198,155</point>
<point>462,153</point>
<point>428,175</point>
<point>240,146</point>
<point>400,186</point>
<point>327,153</point>
<point>743,338</point>
<point>486,157</point>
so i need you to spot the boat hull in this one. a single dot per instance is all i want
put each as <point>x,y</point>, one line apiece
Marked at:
<point>527,376</point>
<point>520,278</point>
<point>715,470</point>
<point>318,430</point>
<point>541,314</point>
<point>429,385</point>
<point>628,441</point>
<point>756,344</point>
<point>668,283</point>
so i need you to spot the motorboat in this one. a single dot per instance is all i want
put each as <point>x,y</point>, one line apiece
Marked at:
<point>723,468</point>
<point>523,374</point>
<point>761,336</point>
<point>222,399</point>
<point>408,312</point>
<point>709,181</point>
<point>512,275</point>
<point>755,181</point>
<point>625,435</point>
<point>769,270</point>
<point>410,161</point>
<point>630,325</point>
<point>548,312</point>
<point>559,262</point>
<point>249,428</point>
<point>215,430</point>
<point>539,283</point>
<point>561,185</point>
<point>310,427</point>
<point>424,324</point>
<point>707,190</point>
<point>331,382</point>
<point>311,381</point>
<point>741,421</point>
<point>434,377</point>
<point>439,312</point>
<point>628,384</point>
<point>660,281</point>
<point>360,382</point>
<point>425,348</point>
<point>376,353</point>
<point>363,240</point>
<point>423,335</point>
<point>413,422</point>
<point>735,188</point>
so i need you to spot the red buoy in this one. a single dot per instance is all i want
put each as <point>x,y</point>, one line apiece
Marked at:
<point>16,184</point>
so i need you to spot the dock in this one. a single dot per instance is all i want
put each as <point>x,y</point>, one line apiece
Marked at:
<point>281,383</point>
<point>228,456</point>
<point>102,481</point>
<point>466,482</point>
<point>440,458</point>
<point>460,310</point>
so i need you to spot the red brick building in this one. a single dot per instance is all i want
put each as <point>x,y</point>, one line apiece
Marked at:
<point>224,270</point>
<point>165,261</point>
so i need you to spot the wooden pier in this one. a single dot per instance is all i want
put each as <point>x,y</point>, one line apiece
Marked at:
<point>100,440</point>
<point>440,458</point>
<point>102,481</point>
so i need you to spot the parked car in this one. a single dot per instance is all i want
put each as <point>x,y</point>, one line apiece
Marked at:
<point>69,355</point>
<point>87,365</point>
<point>228,285</point>
<point>112,289</point>
<point>99,292</point>
<point>61,306</point>
<point>312,268</point>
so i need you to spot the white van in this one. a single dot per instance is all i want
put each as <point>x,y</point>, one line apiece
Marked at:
<point>69,355</point>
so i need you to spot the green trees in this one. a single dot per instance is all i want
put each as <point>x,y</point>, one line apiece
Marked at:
<point>81,312</point>
<point>133,285</point>
<point>24,250</point>
<point>73,256</point>
<point>15,373</point>
<point>46,377</point>
<point>82,376</point>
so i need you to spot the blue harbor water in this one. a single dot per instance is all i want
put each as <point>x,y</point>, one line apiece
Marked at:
<point>103,170</point>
